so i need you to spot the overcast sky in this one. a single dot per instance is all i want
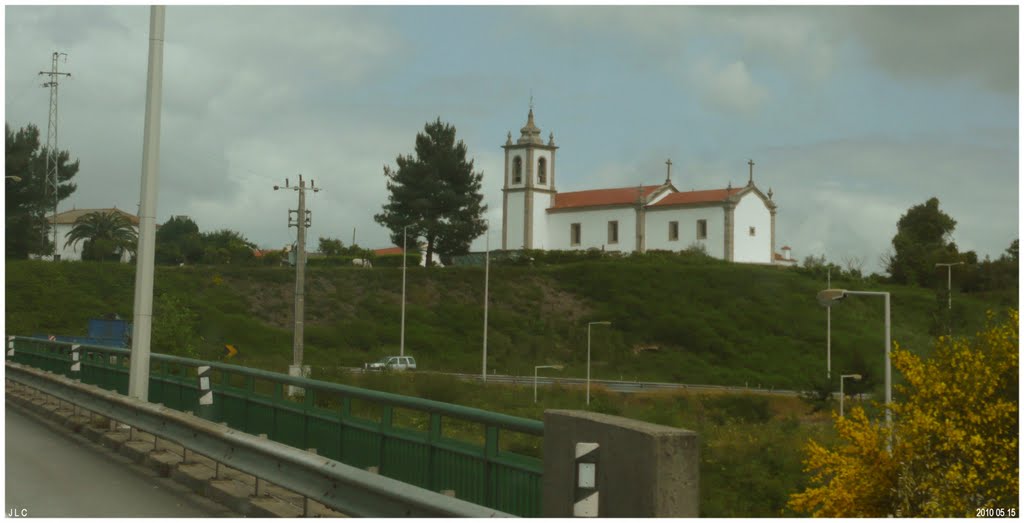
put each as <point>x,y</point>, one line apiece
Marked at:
<point>851,114</point>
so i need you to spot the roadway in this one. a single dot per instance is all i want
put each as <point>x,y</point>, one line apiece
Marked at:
<point>53,473</point>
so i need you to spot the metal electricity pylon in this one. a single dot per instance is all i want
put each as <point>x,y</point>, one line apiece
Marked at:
<point>51,181</point>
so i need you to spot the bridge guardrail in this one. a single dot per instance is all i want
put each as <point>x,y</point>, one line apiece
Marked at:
<point>348,489</point>
<point>434,445</point>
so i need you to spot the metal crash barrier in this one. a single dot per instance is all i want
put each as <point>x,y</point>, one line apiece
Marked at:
<point>483,457</point>
<point>348,489</point>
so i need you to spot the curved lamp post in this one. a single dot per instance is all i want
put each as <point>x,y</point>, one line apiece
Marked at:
<point>830,297</point>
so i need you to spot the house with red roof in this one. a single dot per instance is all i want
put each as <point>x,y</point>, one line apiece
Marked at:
<point>735,223</point>
<point>65,221</point>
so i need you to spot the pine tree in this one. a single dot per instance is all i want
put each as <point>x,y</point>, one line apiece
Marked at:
<point>435,194</point>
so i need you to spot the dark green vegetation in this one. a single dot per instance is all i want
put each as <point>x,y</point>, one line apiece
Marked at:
<point>28,199</point>
<point>435,195</point>
<point>105,236</point>
<point>750,444</point>
<point>674,318</point>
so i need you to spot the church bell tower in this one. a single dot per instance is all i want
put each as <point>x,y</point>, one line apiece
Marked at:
<point>529,188</point>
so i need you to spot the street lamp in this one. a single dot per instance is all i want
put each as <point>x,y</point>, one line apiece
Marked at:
<point>830,297</point>
<point>401,343</point>
<point>535,369</point>
<point>13,178</point>
<point>828,336</point>
<point>949,288</point>
<point>588,353</point>
<point>841,393</point>
<point>487,279</point>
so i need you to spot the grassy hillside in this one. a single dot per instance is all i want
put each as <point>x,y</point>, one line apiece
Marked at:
<point>710,322</point>
<point>673,318</point>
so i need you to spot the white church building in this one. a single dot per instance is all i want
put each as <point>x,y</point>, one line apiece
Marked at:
<point>734,223</point>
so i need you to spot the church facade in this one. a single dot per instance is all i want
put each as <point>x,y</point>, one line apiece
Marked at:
<point>735,223</point>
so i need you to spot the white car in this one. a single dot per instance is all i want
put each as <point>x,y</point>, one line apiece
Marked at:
<point>392,363</point>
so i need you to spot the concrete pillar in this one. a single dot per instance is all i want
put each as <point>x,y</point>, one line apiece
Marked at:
<point>644,470</point>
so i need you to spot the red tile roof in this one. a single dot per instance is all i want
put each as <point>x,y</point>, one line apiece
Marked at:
<point>778,257</point>
<point>622,196</point>
<point>389,250</point>
<point>69,217</point>
<point>688,197</point>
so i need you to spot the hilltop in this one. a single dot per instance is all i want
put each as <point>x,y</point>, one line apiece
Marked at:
<point>674,318</point>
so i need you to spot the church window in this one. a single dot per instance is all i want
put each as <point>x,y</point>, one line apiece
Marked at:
<point>673,231</point>
<point>542,171</point>
<point>702,229</point>
<point>753,231</point>
<point>574,234</point>
<point>613,232</point>
<point>517,170</point>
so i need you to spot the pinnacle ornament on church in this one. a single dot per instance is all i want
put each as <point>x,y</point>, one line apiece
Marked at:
<point>530,133</point>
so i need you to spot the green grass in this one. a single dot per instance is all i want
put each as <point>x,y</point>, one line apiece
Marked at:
<point>711,323</point>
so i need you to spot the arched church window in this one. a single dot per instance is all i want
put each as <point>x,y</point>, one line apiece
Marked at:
<point>542,171</point>
<point>517,170</point>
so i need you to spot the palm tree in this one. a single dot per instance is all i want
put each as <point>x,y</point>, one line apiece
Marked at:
<point>105,234</point>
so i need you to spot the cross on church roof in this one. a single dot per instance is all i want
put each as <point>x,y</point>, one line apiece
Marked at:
<point>751,164</point>
<point>668,174</point>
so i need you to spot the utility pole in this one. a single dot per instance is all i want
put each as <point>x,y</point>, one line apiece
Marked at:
<point>138,371</point>
<point>301,220</point>
<point>51,182</point>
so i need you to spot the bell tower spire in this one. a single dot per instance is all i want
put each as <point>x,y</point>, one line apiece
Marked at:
<point>529,187</point>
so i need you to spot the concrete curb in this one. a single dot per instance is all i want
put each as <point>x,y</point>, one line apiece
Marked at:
<point>234,490</point>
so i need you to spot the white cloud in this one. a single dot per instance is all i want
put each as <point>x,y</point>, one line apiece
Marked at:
<point>729,87</point>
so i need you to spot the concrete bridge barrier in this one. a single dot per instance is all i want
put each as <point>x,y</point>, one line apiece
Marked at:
<point>641,469</point>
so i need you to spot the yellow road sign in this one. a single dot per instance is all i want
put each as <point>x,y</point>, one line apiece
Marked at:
<point>230,350</point>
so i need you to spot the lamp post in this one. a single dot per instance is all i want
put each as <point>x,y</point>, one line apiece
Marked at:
<point>401,343</point>
<point>949,290</point>
<point>828,337</point>
<point>535,369</point>
<point>487,279</point>
<point>830,297</point>
<point>842,394</point>
<point>588,353</point>
<point>138,371</point>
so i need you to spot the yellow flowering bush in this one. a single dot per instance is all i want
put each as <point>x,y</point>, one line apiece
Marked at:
<point>954,441</point>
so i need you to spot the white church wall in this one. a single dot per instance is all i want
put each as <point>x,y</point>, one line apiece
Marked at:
<point>541,202</point>
<point>514,220</point>
<point>658,228</point>
<point>593,229</point>
<point>752,212</point>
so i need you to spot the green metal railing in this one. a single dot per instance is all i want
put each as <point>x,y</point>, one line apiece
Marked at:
<point>434,445</point>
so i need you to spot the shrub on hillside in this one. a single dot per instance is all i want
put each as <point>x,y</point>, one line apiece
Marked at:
<point>395,260</point>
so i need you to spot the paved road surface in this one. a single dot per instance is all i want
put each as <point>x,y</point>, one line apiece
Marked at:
<point>55,474</point>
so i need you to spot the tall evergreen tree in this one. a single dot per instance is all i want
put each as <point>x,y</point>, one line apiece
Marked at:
<point>27,198</point>
<point>436,194</point>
